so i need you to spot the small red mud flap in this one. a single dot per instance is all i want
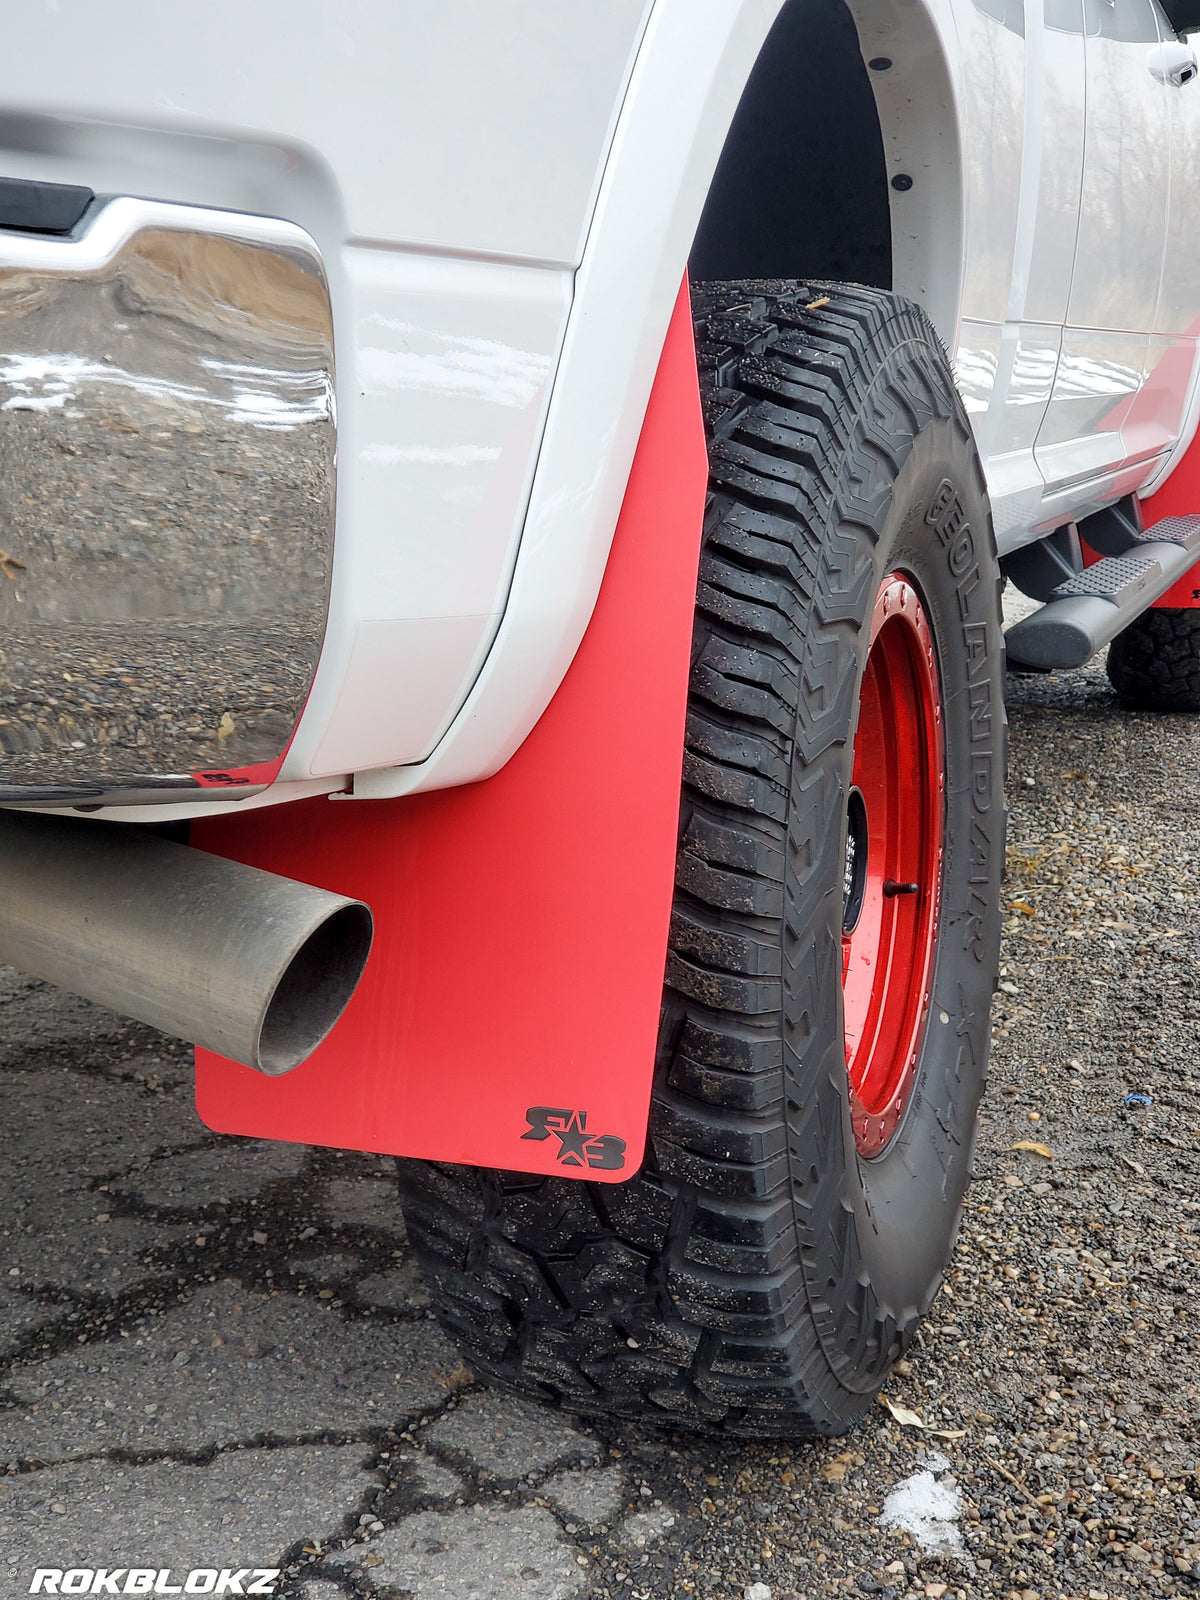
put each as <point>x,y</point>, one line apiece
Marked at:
<point>509,1012</point>
<point>1179,497</point>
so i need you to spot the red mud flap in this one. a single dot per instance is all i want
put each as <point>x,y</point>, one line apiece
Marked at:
<point>1141,416</point>
<point>509,1012</point>
<point>1179,497</point>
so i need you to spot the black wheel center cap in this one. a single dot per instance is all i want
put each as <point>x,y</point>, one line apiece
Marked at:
<point>855,881</point>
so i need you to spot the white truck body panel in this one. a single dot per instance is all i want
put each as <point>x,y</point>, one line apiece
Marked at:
<point>449,223</point>
<point>460,128</point>
<point>505,199</point>
<point>451,367</point>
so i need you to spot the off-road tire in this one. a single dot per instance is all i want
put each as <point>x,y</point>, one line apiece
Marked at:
<point>1154,663</point>
<point>758,1276</point>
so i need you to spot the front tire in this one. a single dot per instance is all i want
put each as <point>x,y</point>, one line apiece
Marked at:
<point>835,929</point>
<point>1154,663</point>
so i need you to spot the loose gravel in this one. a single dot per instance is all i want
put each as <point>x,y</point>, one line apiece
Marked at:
<point>218,1353</point>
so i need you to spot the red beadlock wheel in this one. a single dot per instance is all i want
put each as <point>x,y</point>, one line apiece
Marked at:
<point>893,863</point>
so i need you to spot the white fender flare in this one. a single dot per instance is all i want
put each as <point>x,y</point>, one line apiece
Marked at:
<point>695,60</point>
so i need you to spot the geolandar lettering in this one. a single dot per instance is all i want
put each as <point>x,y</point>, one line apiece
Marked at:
<point>947,516</point>
<point>154,1580</point>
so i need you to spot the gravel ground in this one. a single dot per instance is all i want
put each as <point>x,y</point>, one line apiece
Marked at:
<point>217,1353</point>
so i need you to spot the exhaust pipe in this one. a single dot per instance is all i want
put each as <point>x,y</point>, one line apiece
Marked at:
<point>245,963</point>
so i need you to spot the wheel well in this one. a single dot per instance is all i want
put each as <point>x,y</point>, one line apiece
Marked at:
<point>837,169</point>
<point>801,188</point>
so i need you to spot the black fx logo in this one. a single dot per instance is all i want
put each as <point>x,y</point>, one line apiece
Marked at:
<point>576,1146</point>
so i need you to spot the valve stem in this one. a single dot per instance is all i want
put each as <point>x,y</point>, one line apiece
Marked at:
<point>891,888</point>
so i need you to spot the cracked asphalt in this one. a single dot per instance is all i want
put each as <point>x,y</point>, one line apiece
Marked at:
<point>218,1353</point>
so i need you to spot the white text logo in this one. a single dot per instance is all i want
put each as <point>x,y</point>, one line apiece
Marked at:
<point>153,1580</point>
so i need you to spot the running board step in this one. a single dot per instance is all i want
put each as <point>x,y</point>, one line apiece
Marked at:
<point>1090,609</point>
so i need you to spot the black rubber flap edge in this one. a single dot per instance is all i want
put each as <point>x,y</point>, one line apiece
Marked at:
<point>42,207</point>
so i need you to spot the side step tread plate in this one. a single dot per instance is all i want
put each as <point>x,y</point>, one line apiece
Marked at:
<point>1086,612</point>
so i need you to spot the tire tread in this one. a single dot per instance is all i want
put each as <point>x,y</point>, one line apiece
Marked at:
<point>1154,664</point>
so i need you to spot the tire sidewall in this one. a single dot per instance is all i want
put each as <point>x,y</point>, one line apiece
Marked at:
<point>874,1268</point>
<point>912,1192</point>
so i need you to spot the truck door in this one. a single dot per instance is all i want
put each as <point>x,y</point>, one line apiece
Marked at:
<point>1031,307</point>
<point>1114,300</point>
<point>1158,415</point>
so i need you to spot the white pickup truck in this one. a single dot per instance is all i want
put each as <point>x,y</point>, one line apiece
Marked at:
<point>435,439</point>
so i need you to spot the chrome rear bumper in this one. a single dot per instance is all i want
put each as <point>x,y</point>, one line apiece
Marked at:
<point>167,434</point>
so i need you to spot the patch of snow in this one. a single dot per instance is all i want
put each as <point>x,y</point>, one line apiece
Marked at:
<point>928,1505</point>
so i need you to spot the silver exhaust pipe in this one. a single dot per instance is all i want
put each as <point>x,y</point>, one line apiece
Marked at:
<point>251,965</point>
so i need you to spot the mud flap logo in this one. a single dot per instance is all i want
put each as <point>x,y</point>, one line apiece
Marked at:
<point>576,1146</point>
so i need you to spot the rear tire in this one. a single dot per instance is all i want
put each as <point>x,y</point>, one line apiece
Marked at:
<point>1154,664</point>
<point>776,1253</point>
